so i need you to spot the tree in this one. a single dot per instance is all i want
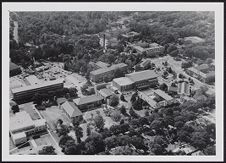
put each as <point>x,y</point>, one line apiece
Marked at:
<point>71,148</point>
<point>211,150</point>
<point>114,100</point>
<point>15,108</point>
<point>47,150</point>
<point>99,122</point>
<point>63,140</point>
<point>184,136</point>
<point>133,113</point>
<point>116,116</point>
<point>186,64</point>
<point>156,124</point>
<point>79,133</point>
<point>94,144</point>
<point>163,87</point>
<point>159,145</point>
<point>200,139</point>
<point>210,79</point>
<point>123,110</point>
<point>122,97</point>
<point>118,73</point>
<point>171,48</point>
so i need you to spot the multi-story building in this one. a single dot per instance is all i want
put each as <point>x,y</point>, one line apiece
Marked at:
<point>100,74</point>
<point>88,102</point>
<point>151,51</point>
<point>71,110</point>
<point>143,79</point>
<point>130,36</point>
<point>22,127</point>
<point>167,99</point>
<point>123,84</point>
<point>28,92</point>
<point>199,74</point>
<point>156,98</point>
<point>184,89</point>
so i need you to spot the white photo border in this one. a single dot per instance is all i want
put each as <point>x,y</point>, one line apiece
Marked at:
<point>218,8</point>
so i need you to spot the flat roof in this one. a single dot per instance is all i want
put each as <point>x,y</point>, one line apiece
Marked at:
<point>142,75</point>
<point>202,67</point>
<point>30,87</point>
<point>18,135</point>
<point>32,79</point>
<point>197,72</point>
<point>103,70</point>
<point>148,99</point>
<point>71,109</point>
<point>183,88</point>
<point>163,94</point>
<point>87,99</point>
<point>106,92</point>
<point>102,64</point>
<point>123,81</point>
<point>20,121</point>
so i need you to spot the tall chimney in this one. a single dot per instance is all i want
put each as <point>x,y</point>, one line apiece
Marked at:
<point>104,41</point>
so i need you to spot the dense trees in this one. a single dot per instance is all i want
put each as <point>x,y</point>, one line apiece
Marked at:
<point>114,100</point>
<point>47,150</point>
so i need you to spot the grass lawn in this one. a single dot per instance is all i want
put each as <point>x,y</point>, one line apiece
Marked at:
<point>52,114</point>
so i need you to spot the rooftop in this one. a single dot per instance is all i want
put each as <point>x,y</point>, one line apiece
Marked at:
<point>87,99</point>
<point>183,88</point>
<point>106,92</point>
<point>196,71</point>
<point>71,109</point>
<point>142,75</point>
<point>202,67</point>
<point>163,95</point>
<point>61,100</point>
<point>102,64</point>
<point>21,121</point>
<point>104,70</point>
<point>32,79</point>
<point>123,81</point>
<point>30,87</point>
<point>145,62</point>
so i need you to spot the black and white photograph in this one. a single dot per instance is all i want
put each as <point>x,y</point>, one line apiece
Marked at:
<point>136,80</point>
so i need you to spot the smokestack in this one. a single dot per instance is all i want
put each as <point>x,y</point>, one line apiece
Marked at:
<point>104,41</point>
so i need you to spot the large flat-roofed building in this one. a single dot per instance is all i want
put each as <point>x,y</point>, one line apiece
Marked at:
<point>156,98</point>
<point>88,102</point>
<point>143,79</point>
<point>151,51</point>
<point>28,92</point>
<point>199,74</point>
<point>167,99</point>
<point>147,97</point>
<point>184,89</point>
<point>130,36</point>
<point>22,126</point>
<point>14,69</point>
<point>98,75</point>
<point>123,84</point>
<point>71,109</point>
<point>32,80</point>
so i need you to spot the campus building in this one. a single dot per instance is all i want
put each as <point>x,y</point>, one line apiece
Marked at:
<point>152,50</point>
<point>22,127</point>
<point>28,92</point>
<point>100,74</point>
<point>194,72</point>
<point>32,80</point>
<point>88,102</point>
<point>130,36</point>
<point>123,84</point>
<point>184,89</point>
<point>143,79</point>
<point>156,98</point>
<point>71,110</point>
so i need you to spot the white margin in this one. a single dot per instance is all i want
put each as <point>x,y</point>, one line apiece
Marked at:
<point>218,8</point>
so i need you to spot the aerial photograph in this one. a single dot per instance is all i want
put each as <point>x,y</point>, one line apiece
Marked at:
<point>112,83</point>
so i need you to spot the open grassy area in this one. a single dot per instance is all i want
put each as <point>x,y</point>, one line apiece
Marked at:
<point>52,114</point>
